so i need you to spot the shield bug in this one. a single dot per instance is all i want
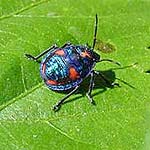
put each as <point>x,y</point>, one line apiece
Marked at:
<point>64,68</point>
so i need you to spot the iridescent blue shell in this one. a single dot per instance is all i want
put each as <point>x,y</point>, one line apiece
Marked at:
<point>65,68</point>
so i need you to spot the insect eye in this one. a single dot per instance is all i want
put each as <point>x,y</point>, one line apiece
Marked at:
<point>95,56</point>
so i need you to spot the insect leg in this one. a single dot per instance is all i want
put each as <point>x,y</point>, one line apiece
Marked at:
<point>60,102</point>
<point>110,84</point>
<point>35,58</point>
<point>66,44</point>
<point>88,94</point>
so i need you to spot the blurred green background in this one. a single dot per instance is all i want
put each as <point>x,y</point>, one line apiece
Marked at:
<point>121,118</point>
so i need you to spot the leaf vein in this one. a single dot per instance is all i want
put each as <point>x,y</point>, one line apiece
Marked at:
<point>34,4</point>
<point>67,135</point>
<point>20,96</point>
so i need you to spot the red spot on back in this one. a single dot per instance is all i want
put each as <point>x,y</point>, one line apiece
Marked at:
<point>52,82</point>
<point>43,68</point>
<point>73,74</point>
<point>85,54</point>
<point>60,52</point>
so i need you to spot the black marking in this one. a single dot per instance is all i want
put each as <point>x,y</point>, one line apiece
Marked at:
<point>147,71</point>
<point>148,47</point>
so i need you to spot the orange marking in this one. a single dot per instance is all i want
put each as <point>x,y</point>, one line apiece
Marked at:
<point>73,74</point>
<point>43,68</point>
<point>85,54</point>
<point>52,82</point>
<point>60,52</point>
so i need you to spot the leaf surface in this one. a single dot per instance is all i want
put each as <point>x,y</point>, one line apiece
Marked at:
<point>120,119</point>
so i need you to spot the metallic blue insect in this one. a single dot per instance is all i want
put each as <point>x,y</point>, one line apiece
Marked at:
<point>64,68</point>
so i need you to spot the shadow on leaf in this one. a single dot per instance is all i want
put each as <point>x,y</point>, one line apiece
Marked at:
<point>99,83</point>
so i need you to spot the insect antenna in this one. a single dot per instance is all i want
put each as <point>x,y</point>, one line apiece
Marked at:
<point>95,31</point>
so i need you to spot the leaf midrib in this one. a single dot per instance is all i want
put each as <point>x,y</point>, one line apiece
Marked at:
<point>3,106</point>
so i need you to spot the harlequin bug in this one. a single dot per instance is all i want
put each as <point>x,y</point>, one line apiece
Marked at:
<point>64,68</point>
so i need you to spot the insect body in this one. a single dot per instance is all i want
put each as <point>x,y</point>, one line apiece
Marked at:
<point>64,68</point>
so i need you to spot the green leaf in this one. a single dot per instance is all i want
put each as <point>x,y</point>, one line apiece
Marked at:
<point>121,117</point>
